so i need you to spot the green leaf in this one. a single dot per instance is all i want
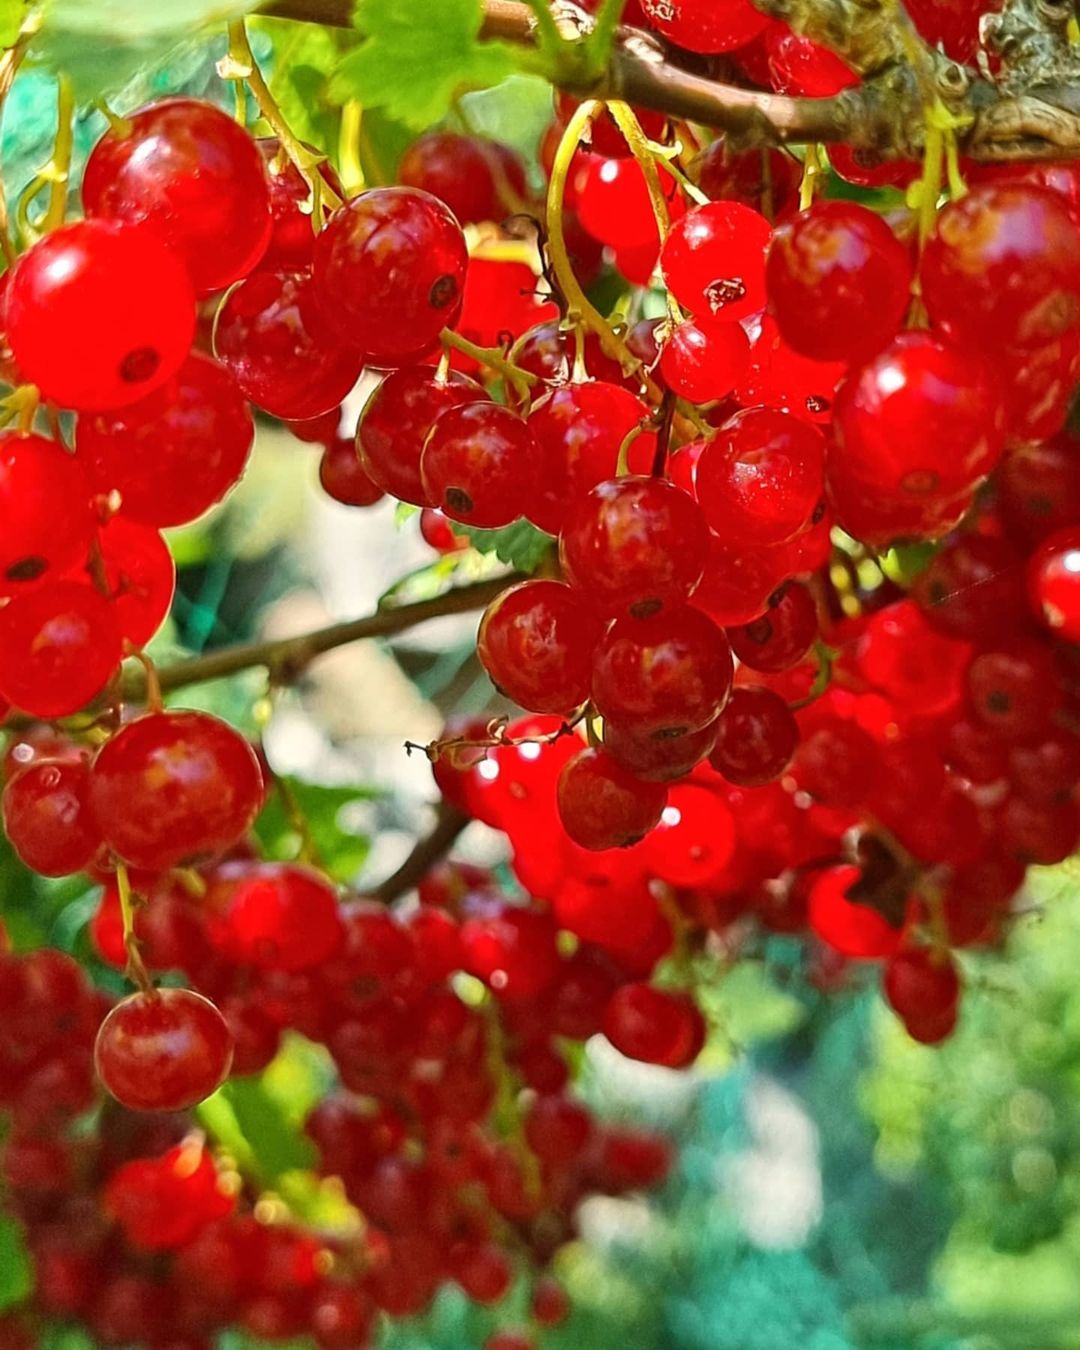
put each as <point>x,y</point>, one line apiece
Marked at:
<point>12,13</point>
<point>341,850</point>
<point>251,1123</point>
<point>413,70</point>
<point>16,1273</point>
<point>521,545</point>
<point>304,55</point>
<point>130,20</point>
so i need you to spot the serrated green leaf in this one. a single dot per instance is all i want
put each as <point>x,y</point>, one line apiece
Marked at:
<point>16,1273</point>
<point>413,70</point>
<point>521,545</point>
<point>341,851</point>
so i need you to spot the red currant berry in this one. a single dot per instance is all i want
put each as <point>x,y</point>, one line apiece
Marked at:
<point>292,233</point>
<point>602,805</point>
<point>140,576</point>
<point>705,25</point>
<point>782,636</point>
<point>123,286</point>
<point>536,642</point>
<point>59,646</point>
<point>923,989</point>
<point>1054,583</point>
<point>756,738</point>
<point>390,272</point>
<point>713,260</point>
<point>478,180</point>
<point>45,504</point>
<point>47,820</point>
<point>343,477</point>
<point>703,361</point>
<point>284,917</point>
<point>655,1026</point>
<point>164,1050</point>
<point>478,464</point>
<point>663,759</point>
<point>1015,690</point>
<point>973,588</point>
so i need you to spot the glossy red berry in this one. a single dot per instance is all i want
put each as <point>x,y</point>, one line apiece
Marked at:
<point>59,646</point>
<point>705,25</point>
<point>395,424</point>
<point>45,504</point>
<point>1054,583</point>
<point>760,479</point>
<point>665,675</point>
<point>634,546</point>
<point>923,989</point>
<point>549,353</point>
<point>973,588</point>
<point>192,174</point>
<point>163,1051</point>
<point>343,477</point>
<point>173,788</point>
<point>803,67</point>
<point>270,335</point>
<point>175,453</point>
<point>663,759</point>
<point>390,272</point>
<point>782,636</point>
<point>99,315</point>
<point>614,205</point>
<point>922,420</point>
<point>139,575</point>
<point>47,820</point>
<point>1003,268</point>
<point>1039,487</point>
<point>756,737</point>
<point>917,668</point>
<point>284,917</point>
<point>1015,689</point>
<point>655,1025</point>
<point>713,260</point>
<point>512,950</point>
<point>602,805</point>
<point>536,642</point>
<point>478,180</point>
<point>292,231</point>
<point>478,464</point>
<point>703,361</point>
<point>748,176</point>
<point>821,268</point>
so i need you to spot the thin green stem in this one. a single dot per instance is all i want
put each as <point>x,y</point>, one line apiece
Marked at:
<point>522,380</point>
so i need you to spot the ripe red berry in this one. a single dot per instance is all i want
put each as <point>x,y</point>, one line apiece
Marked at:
<point>270,335</point>
<point>512,950</point>
<point>1015,689</point>
<point>478,464</point>
<point>99,315</point>
<point>663,676</point>
<point>714,260</point>
<point>139,574</point>
<point>343,477</point>
<point>923,420</point>
<point>923,988</point>
<point>602,805</point>
<point>916,667</point>
<point>1054,583</point>
<point>175,453</point>
<point>174,788</point>
<point>59,646</point>
<point>1003,268</point>
<point>761,478</point>
<point>634,546</point>
<point>478,180</point>
<point>292,232</point>
<point>536,642</point>
<point>163,1051</point>
<point>613,203</point>
<point>853,929</point>
<point>705,25</point>
<point>194,175</point>
<point>782,636</point>
<point>549,353</point>
<point>284,917</point>
<point>661,759</point>
<point>390,272</point>
<point>395,424</point>
<point>973,588</point>
<point>822,266</point>
<point>45,504</point>
<point>756,737</point>
<point>800,66</point>
<point>47,819</point>
<point>655,1026</point>
<point>748,176</point>
<point>703,361</point>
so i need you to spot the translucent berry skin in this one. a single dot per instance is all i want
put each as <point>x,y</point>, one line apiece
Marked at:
<point>663,676</point>
<point>782,636</point>
<point>343,477</point>
<point>47,820</point>
<point>478,464</point>
<point>1054,583</point>
<point>548,353</point>
<point>469,175</point>
<point>923,419</point>
<point>45,506</point>
<point>192,173</point>
<point>821,268</point>
<point>395,424</point>
<point>98,315</point>
<point>602,805</point>
<point>140,575</point>
<point>803,67</point>
<point>713,260</point>
<point>740,176</point>
<point>579,430</point>
<point>954,24</point>
<point>877,515</point>
<point>292,236</point>
<point>284,917</point>
<point>756,737</point>
<point>760,479</point>
<point>536,642</point>
<point>739,582</point>
<point>614,206</point>
<point>634,546</point>
<point>655,1026</point>
<point>973,588</point>
<point>1039,488</point>
<point>706,26</point>
<point>174,788</point>
<point>270,335</point>
<point>59,646</point>
<point>1003,268</point>
<point>923,989</point>
<point>704,361</point>
<point>390,272</point>
<point>163,1051</point>
<point>175,453</point>
<point>662,759</point>
<point>1015,689</point>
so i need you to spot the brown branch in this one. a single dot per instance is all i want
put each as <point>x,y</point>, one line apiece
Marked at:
<point>426,852</point>
<point>286,658</point>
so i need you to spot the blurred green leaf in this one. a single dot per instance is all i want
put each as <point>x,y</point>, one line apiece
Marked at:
<point>414,70</point>
<point>517,112</point>
<point>521,545</point>
<point>252,1124</point>
<point>304,56</point>
<point>129,20</point>
<point>16,1273</point>
<point>325,810</point>
<point>12,13</point>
